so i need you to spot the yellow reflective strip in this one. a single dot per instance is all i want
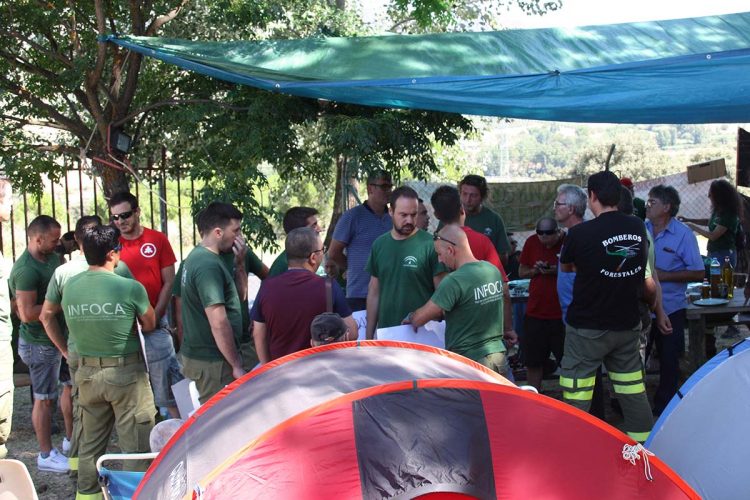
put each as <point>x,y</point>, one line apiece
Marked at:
<point>626,377</point>
<point>566,382</point>
<point>629,389</point>
<point>586,382</point>
<point>641,437</point>
<point>578,396</point>
<point>73,463</point>
<point>89,496</point>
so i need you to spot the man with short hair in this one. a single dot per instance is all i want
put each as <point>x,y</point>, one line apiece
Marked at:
<point>446,202</point>
<point>678,262</point>
<point>293,218</point>
<point>423,216</point>
<point>52,308</point>
<point>356,231</point>
<point>639,204</point>
<point>6,331</point>
<point>329,328</point>
<point>150,258</point>
<point>609,255</point>
<point>28,284</point>
<point>569,208</point>
<point>286,305</point>
<point>403,266</point>
<point>470,298</point>
<point>544,331</point>
<point>101,310</point>
<point>211,316</point>
<point>473,189</point>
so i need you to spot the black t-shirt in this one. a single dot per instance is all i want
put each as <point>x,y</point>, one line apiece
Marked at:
<point>610,254</point>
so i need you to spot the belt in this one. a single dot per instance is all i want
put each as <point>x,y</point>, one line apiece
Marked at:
<point>107,362</point>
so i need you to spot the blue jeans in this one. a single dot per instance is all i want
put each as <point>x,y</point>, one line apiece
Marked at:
<point>163,367</point>
<point>44,367</point>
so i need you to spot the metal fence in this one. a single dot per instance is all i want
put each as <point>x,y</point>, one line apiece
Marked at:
<point>165,202</point>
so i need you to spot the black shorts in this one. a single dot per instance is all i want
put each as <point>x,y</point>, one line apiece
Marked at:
<point>540,338</point>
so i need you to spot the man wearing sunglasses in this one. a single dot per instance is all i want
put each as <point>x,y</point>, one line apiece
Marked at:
<point>544,331</point>
<point>356,231</point>
<point>150,258</point>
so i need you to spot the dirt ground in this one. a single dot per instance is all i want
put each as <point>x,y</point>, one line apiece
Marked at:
<point>22,444</point>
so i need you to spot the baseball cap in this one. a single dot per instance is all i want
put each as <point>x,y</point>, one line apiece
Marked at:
<point>627,182</point>
<point>327,328</point>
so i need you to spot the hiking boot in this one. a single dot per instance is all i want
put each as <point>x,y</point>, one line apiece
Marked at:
<point>55,462</point>
<point>65,446</point>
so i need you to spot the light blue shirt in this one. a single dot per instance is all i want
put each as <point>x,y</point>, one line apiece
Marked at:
<point>565,283</point>
<point>358,228</point>
<point>676,250</point>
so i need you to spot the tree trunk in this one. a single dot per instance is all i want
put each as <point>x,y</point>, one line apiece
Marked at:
<point>114,179</point>
<point>342,176</point>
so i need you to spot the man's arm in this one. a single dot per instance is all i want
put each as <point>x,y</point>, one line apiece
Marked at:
<point>336,253</point>
<point>260,337</point>
<point>167,280</point>
<point>240,273</point>
<point>437,279</point>
<point>680,276</point>
<point>28,309</point>
<point>509,333</point>
<point>525,272</point>
<point>223,334</point>
<point>373,304</point>
<point>48,317</point>
<point>428,312</point>
<point>148,319</point>
<point>178,320</point>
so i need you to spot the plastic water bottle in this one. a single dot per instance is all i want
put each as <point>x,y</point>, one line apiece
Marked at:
<point>727,276</point>
<point>715,277</point>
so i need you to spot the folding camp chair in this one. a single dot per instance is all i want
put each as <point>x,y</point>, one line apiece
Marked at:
<point>15,481</point>
<point>119,484</point>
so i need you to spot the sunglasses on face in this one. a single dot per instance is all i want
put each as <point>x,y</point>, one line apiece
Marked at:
<point>384,187</point>
<point>436,237</point>
<point>117,247</point>
<point>122,216</point>
<point>546,232</point>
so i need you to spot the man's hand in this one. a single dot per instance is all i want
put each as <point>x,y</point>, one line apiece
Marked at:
<point>511,337</point>
<point>663,323</point>
<point>239,247</point>
<point>238,372</point>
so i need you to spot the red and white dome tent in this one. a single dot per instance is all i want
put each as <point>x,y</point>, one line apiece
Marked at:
<point>288,386</point>
<point>433,438</point>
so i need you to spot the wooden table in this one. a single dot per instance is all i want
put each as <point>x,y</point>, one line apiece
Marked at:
<point>700,318</point>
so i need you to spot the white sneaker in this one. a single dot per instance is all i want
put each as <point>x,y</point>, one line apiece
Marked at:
<point>66,446</point>
<point>55,462</point>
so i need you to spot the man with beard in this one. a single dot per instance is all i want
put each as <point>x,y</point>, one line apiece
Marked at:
<point>211,317</point>
<point>471,298</point>
<point>403,266</point>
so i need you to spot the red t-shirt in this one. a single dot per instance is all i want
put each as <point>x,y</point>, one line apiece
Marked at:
<point>543,302</point>
<point>483,249</point>
<point>146,256</point>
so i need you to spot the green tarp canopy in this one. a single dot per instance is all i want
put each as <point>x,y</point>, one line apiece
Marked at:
<point>679,71</point>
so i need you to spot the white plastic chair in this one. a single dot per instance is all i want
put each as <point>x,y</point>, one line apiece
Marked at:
<point>15,481</point>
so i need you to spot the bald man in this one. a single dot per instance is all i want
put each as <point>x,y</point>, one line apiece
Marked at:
<point>471,298</point>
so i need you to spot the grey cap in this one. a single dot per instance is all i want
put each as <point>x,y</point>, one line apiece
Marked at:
<point>327,328</point>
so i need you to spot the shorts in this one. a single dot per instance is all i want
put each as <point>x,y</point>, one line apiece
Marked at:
<point>497,362</point>
<point>542,337</point>
<point>65,373</point>
<point>163,367</point>
<point>44,368</point>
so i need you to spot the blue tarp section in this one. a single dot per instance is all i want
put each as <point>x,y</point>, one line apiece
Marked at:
<point>679,71</point>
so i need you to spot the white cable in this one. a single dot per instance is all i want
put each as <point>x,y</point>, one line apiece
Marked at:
<point>631,453</point>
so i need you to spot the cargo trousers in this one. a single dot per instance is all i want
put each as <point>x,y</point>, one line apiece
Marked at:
<point>113,393</point>
<point>585,350</point>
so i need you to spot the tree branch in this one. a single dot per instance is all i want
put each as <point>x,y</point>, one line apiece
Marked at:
<point>177,102</point>
<point>160,21</point>
<point>40,48</point>
<point>23,122</point>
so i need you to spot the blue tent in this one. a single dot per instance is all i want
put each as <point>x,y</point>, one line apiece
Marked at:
<point>679,71</point>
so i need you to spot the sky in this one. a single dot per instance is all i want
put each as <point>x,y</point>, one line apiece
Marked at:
<point>585,12</point>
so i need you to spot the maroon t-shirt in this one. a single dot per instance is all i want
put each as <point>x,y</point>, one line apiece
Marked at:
<point>288,303</point>
<point>543,301</point>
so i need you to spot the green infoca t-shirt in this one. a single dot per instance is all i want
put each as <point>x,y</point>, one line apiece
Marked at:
<point>100,310</point>
<point>6,326</point>
<point>205,281</point>
<point>253,265</point>
<point>405,271</point>
<point>472,298</point>
<point>491,225</point>
<point>30,275</point>
<point>279,266</point>
<point>62,275</point>
<point>728,240</point>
